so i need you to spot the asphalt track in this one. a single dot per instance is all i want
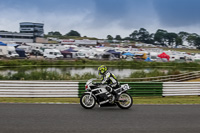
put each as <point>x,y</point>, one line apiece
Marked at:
<point>72,118</point>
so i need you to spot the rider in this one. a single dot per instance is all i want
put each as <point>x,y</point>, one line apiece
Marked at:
<point>110,79</point>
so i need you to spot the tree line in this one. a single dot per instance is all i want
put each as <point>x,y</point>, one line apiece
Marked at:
<point>160,37</point>
<point>58,34</point>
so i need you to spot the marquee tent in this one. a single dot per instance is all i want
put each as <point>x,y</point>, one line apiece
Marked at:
<point>164,55</point>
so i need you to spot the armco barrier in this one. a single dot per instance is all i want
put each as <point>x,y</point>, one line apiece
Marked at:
<point>81,88</point>
<point>76,89</point>
<point>38,89</point>
<point>181,88</point>
<point>137,88</point>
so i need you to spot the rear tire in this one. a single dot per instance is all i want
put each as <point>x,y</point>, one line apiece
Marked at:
<point>125,104</point>
<point>86,102</point>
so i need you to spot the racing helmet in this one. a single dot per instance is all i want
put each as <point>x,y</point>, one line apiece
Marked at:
<point>102,69</point>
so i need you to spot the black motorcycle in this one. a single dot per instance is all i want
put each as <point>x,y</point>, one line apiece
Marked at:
<point>97,93</point>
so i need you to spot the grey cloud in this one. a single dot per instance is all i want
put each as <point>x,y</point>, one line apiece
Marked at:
<point>175,13</point>
<point>127,13</point>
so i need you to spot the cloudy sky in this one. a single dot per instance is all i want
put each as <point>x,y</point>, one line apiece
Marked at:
<point>99,18</point>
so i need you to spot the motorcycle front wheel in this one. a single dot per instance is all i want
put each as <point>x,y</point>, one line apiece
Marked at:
<point>87,101</point>
<point>125,101</point>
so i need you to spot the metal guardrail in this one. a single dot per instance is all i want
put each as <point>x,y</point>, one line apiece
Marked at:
<point>181,88</point>
<point>76,89</point>
<point>38,89</point>
<point>137,88</point>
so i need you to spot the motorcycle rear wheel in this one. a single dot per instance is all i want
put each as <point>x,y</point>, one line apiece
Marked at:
<point>125,101</point>
<point>86,102</point>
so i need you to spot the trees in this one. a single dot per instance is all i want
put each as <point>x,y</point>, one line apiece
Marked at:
<point>56,33</point>
<point>183,36</point>
<point>142,36</point>
<point>171,38</point>
<point>133,36</point>
<point>109,37</point>
<point>73,33</point>
<point>151,38</point>
<point>197,41</point>
<point>118,37</point>
<point>179,41</point>
<point>193,39</point>
<point>160,37</point>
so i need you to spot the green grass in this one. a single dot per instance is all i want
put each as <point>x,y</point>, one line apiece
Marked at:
<point>45,75</point>
<point>154,73</point>
<point>167,100</point>
<point>194,80</point>
<point>136,100</point>
<point>39,100</point>
<point>96,63</point>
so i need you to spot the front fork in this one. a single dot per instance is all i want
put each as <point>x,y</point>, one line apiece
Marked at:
<point>91,96</point>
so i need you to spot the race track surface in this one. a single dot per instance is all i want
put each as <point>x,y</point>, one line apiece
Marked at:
<point>72,118</point>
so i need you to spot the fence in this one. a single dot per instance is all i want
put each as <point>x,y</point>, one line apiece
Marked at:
<point>76,89</point>
<point>181,89</point>
<point>169,78</point>
<point>38,89</point>
<point>137,88</point>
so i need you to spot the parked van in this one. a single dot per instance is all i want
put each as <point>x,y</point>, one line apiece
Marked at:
<point>196,57</point>
<point>8,52</point>
<point>80,55</point>
<point>52,54</point>
<point>22,53</point>
<point>27,49</point>
<point>153,56</point>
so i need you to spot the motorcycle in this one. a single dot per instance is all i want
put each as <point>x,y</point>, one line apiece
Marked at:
<point>97,93</point>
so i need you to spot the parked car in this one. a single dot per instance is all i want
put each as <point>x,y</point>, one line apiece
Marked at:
<point>36,52</point>
<point>52,54</point>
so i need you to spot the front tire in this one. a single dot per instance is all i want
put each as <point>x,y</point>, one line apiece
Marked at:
<point>86,102</point>
<point>125,101</point>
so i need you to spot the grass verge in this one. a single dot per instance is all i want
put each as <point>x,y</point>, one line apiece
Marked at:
<point>45,75</point>
<point>86,62</point>
<point>194,80</point>
<point>136,100</point>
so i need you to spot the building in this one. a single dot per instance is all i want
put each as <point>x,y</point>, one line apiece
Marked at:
<point>17,37</point>
<point>29,32</point>
<point>84,42</point>
<point>35,28</point>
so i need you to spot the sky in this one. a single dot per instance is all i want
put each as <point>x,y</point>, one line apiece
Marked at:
<point>99,18</point>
